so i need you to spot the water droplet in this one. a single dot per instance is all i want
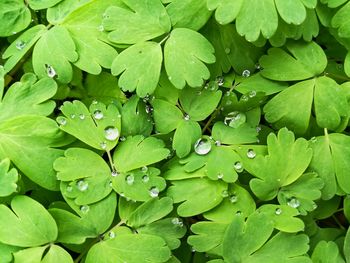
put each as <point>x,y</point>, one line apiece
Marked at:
<point>144,169</point>
<point>258,129</point>
<point>84,209</point>
<point>111,133</point>
<point>20,44</point>
<point>235,119</point>
<point>69,189</point>
<point>145,178</point>
<point>177,222</point>
<point>233,199</point>
<point>314,206</point>
<point>186,117</point>
<point>94,102</point>
<point>72,116</point>
<point>202,146</point>
<point>130,179</point>
<point>154,192</point>
<point>238,213</point>
<point>220,81</point>
<point>50,71</point>
<point>217,143</point>
<point>293,202</point>
<point>278,211</point>
<point>246,73</point>
<point>114,173</point>
<point>220,176</point>
<point>313,140</point>
<point>238,167</point>
<point>169,77</point>
<point>82,185</point>
<point>62,121</point>
<point>81,116</point>
<point>101,28</point>
<point>98,115</point>
<point>111,234</point>
<point>251,154</point>
<point>148,109</point>
<point>252,94</point>
<point>123,139</point>
<point>227,50</point>
<point>224,193</point>
<point>257,66</point>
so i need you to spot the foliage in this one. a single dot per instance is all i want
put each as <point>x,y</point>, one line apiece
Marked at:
<point>174,131</point>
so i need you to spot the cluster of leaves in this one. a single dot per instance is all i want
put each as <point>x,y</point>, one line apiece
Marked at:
<point>174,131</point>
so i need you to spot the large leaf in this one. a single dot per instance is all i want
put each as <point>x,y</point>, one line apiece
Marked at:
<point>27,224</point>
<point>185,53</point>
<point>139,21</point>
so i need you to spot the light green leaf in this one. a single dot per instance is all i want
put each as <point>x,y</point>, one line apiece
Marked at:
<point>166,116</point>
<point>229,135</point>
<point>131,248</point>
<point>185,53</point>
<point>14,17</point>
<point>145,151</point>
<point>186,134</point>
<point>139,66</point>
<point>191,14</point>
<point>326,252</point>
<point>138,22</point>
<point>286,161</point>
<point>197,195</point>
<point>347,246</point>
<point>52,254</point>
<point>302,62</point>
<point>341,21</point>
<point>226,10</point>
<point>6,252</point>
<point>42,4</point>
<point>27,224</point>
<point>98,127</point>
<point>297,16</point>
<point>8,178</point>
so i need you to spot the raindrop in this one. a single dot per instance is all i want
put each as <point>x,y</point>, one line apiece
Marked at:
<point>130,179</point>
<point>144,169</point>
<point>220,175</point>
<point>111,234</point>
<point>186,117</point>
<point>148,109</point>
<point>20,44</point>
<point>313,140</point>
<point>114,173</point>
<point>246,73</point>
<point>82,185</point>
<point>202,146</point>
<point>51,72</point>
<point>314,206</point>
<point>62,121</point>
<point>81,116</point>
<point>238,167</point>
<point>84,209</point>
<point>72,116</point>
<point>293,202</point>
<point>278,211</point>
<point>145,178</point>
<point>154,192</point>
<point>122,138</point>
<point>252,94</point>
<point>220,81</point>
<point>103,145</point>
<point>233,199</point>
<point>177,222</point>
<point>244,98</point>
<point>101,28</point>
<point>227,50</point>
<point>69,189</point>
<point>258,129</point>
<point>257,66</point>
<point>98,115</point>
<point>111,133</point>
<point>217,143</point>
<point>238,213</point>
<point>251,154</point>
<point>224,193</point>
<point>235,119</point>
<point>94,102</point>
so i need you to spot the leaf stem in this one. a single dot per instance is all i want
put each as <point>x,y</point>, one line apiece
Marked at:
<point>338,222</point>
<point>111,161</point>
<point>164,39</point>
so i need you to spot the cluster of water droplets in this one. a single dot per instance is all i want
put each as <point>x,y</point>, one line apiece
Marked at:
<point>235,119</point>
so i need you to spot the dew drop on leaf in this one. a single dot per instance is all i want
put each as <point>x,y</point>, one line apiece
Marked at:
<point>220,81</point>
<point>217,143</point>
<point>122,138</point>
<point>144,169</point>
<point>252,94</point>
<point>233,199</point>
<point>257,66</point>
<point>293,202</point>
<point>130,179</point>
<point>177,222</point>
<point>244,98</point>
<point>145,178</point>
<point>50,71</point>
<point>202,146</point>
<point>186,117</point>
<point>82,185</point>
<point>84,209</point>
<point>220,175</point>
<point>101,28</point>
<point>227,50</point>
<point>62,121</point>
<point>238,213</point>
<point>103,145</point>
<point>238,167</point>
<point>246,73</point>
<point>224,193</point>
<point>81,116</point>
<point>69,189</point>
<point>111,234</point>
<point>235,119</point>
<point>251,154</point>
<point>278,211</point>
<point>148,109</point>
<point>72,116</point>
<point>111,133</point>
<point>154,192</point>
<point>98,115</point>
<point>20,44</point>
<point>114,173</point>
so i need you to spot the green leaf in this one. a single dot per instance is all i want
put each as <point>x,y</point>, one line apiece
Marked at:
<point>297,16</point>
<point>302,62</point>
<point>186,134</point>
<point>341,21</point>
<point>42,4</point>
<point>326,252</point>
<point>88,221</point>
<point>229,135</point>
<point>225,10</point>
<point>6,252</point>
<point>52,254</point>
<point>197,195</point>
<point>347,245</point>
<point>191,14</point>
<point>185,53</point>
<point>18,48</point>
<point>133,61</point>
<point>27,224</point>
<point>130,248</point>
<point>137,22</point>
<point>145,151</point>
<point>8,178</point>
<point>14,17</point>
<point>85,27</point>
<point>98,127</point>
<point>53,53</point>
<point>286,161</point>
<point>166,116</point>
